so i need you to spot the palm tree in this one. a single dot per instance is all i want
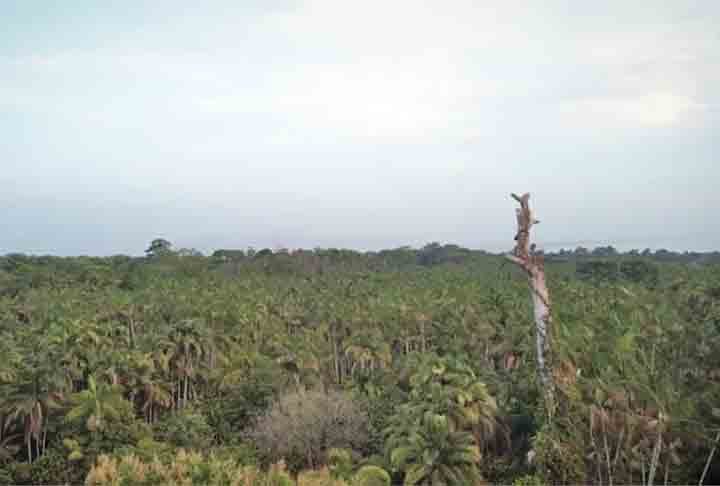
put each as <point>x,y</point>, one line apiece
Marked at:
<point>8,373</point>
<point>146,379</point>
<point>193,343</point>
<point>36,391</point>
<point>449,387</point>
<point>437,455</point>
<point>367,350</point>
<point>98,403</point>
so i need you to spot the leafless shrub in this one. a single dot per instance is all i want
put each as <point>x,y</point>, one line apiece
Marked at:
<point>302,426</point>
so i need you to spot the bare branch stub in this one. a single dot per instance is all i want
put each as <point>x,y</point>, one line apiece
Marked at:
<point>524,254</point>
<point>525,222</point>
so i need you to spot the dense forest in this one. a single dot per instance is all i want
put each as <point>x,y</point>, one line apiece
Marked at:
<point>338,367</point>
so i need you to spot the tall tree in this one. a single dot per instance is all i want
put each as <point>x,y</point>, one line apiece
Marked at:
<point>159,247</point>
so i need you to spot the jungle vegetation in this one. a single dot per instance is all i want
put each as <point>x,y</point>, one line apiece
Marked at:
<point>337,367</point>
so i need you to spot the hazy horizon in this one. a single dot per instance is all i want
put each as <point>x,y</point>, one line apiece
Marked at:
<point>370,125</point>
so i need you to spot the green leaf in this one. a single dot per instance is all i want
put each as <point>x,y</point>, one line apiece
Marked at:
<point>75,455</point>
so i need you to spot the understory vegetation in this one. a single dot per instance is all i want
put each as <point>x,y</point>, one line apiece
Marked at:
<point>334,367</point>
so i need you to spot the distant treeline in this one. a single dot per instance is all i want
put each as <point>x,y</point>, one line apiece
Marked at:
<point>661,255</point>
<point>325,258</point>
<point>18,270</point>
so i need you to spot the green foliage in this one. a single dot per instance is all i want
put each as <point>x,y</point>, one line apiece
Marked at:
<point>159,247</point>
<point>55,467</point>
<point>244,454</point>
<point>20,472</point>
<point>371,476</point>
<point>381,399</point>
<point>437,254</point>
<point>528,480</point>
<point>186,429</point>
<point>97,405</point>
<point>438,434</point>
<point>228,255</point>
<point>434,453</point>
<point>246,386</point>
<point>340,463</point>
<point>449,387</point>
<point>599,270</point>
<point>182,468</point>
<point>276,477</point>
<point>639,271</point>
<point>5,476</point>
<point>556,458</point>
<point>142,356</point>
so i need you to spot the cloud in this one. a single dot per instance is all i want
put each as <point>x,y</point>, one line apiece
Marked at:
<point>414,98</point>
<point>402,27</point>
<point>401,71</point>
<point>648,110</point>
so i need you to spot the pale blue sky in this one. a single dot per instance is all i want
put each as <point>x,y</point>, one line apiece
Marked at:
<point>359,124</point>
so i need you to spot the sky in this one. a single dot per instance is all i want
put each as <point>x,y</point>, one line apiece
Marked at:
<point>367,125</point>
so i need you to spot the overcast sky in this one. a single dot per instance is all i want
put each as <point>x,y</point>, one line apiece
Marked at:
<point>362,124</point>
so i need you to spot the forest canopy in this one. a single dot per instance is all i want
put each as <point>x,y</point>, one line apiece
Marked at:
<point>334,366</point>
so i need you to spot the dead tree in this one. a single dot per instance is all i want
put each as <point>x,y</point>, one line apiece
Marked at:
<point>525,256</point>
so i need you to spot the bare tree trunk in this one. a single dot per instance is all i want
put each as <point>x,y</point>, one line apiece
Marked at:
<point>709,460</point>
<point>336,355</point>
<point>619,447</point>
<point>131,329</point>
<point>607,454</point>
<point>598,460</point>
<point>532,263</point>
<point>655,458</point>
<point>643,470</point>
